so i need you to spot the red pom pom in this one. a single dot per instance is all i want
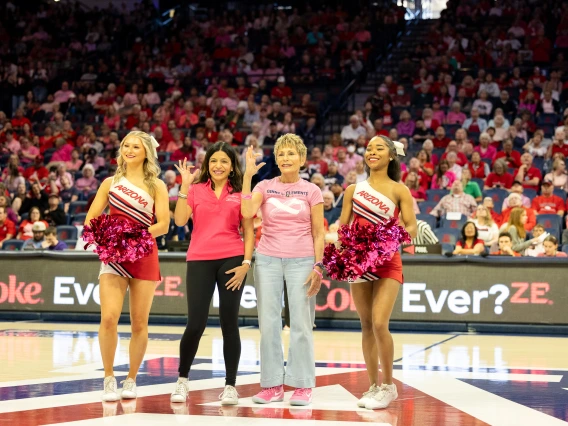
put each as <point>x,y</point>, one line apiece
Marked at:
<point>362,248</point>
<point>118,240</point>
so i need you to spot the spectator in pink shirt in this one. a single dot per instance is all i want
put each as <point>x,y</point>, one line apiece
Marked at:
<point>176,143</point>
<point>62,96</point>
<point>88,182</point>
<point>75,163</point>
<point>12,144</point>
<point>62,151</point>
<point>28,152</point>
<point>112,119</point>
<point>151,96</point>
<point>455,116</point>
<point>437,113</point>
<point>131,98</point>
<point>486,151</point>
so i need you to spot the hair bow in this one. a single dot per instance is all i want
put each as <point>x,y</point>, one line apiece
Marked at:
<point>155,145</point>
<point>399,146</point>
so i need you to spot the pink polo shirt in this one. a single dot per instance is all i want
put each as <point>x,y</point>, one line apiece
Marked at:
<point>216,223</point>
<point>287,217</point>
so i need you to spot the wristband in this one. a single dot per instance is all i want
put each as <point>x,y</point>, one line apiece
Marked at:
<point>318,272</point>
<point>246,197</point>
<point>180,195</point>
<point>246,262</point>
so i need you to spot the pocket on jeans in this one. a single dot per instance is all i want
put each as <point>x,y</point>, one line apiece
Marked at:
<point>304,261</point>
<point>262,260</point>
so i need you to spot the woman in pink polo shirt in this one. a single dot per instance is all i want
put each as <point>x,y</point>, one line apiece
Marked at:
<point>216,256</point>
<point>291,249</point>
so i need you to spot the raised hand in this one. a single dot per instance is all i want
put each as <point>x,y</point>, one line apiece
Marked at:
<point>187,178</point>
<point>251,167</point>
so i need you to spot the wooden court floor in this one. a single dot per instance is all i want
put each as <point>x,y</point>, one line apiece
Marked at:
<point>50,373</point>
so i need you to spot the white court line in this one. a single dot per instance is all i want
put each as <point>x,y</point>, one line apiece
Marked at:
<point>140,419</point>
<point>483,405</point>
<point>150,390</point>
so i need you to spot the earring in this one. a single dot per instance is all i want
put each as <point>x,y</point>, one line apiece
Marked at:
<point>232,173</point>
<point>390,159</point>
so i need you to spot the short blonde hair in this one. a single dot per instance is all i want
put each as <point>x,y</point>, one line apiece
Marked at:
<point>290,140</point>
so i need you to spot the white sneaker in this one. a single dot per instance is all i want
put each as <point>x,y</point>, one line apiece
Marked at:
<point>385,395</point>
<point>229,396</point>
<point>367,396</point>
<point>128,389</point>
<point>109,392</point>
<point>182,388</point>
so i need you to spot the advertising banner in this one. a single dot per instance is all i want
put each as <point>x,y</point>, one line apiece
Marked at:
<point>437,290</point>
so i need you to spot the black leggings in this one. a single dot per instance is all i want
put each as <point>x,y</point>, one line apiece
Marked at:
<point>201,278</point>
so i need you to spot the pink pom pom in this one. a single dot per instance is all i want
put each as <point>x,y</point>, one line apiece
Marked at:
<point>363,247</point>
<point>118,240</point>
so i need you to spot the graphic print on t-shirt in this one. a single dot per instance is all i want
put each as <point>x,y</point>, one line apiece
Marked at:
<point>290,205</point>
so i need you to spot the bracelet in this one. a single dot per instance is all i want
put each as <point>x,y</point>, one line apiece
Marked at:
<point>246,262</point>
<point>180,195</point>
<point>246,197</point>
<point>318,272</point>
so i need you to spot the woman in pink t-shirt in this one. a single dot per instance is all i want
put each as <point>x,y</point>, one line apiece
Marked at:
<point>216,256</point>
<point>291,249</point>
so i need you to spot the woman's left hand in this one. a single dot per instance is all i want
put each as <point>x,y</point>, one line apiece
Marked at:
<point>236,281</point>
<point>314,279</point>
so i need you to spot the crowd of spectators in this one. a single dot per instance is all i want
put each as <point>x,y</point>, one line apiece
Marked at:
<point>73,82</point>
<point>480,104</point>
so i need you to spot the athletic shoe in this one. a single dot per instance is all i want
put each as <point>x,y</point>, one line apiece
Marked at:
<point>267,395</point>
<point>229,396</point>
<point>109,392</point>
<point>301,396</point>
<point>385,395</point>
<point>367,396</point>
<point>182,388</point>
<point>128,389</point>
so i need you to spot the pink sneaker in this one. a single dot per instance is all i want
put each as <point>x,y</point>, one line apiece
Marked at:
<point>267,395</point>
<point>301,396</point>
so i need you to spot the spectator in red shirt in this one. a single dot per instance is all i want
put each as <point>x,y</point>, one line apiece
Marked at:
<point>541,47</point>
<point>186,152</point>
<point>499,178</point>
<point>19,120</point>
<point>7,227</point>
<point>559,144</point>
<point>512,158</point>
<point>414,166</point>
<point>453,147</point>
<point>280,90</point>
<point>527,174</point>
<point>479,169</point>
<point>36,172</point>
<point>469,243</point>
<point>547,202</point>
<point>441,141</point>
<point>315,163</point>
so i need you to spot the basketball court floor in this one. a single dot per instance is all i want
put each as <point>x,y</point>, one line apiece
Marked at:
<point>50,373</point>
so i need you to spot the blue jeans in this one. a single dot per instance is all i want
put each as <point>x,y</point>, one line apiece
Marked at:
<point>269,275</point>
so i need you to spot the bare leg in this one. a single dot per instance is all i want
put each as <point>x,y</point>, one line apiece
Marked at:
<point>384,297</point>
<point>141,297</point>
<point>112,290</point>
<point>362,294</point>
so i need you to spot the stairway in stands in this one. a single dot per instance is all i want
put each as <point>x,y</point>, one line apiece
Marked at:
<point>414,32</point>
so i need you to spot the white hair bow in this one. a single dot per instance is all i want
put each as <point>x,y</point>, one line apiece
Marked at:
<point>155,145</point>
<point>399,146</point>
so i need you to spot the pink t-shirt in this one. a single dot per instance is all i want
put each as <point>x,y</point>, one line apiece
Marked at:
<point>286,217</point>
<point>216,223</point>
